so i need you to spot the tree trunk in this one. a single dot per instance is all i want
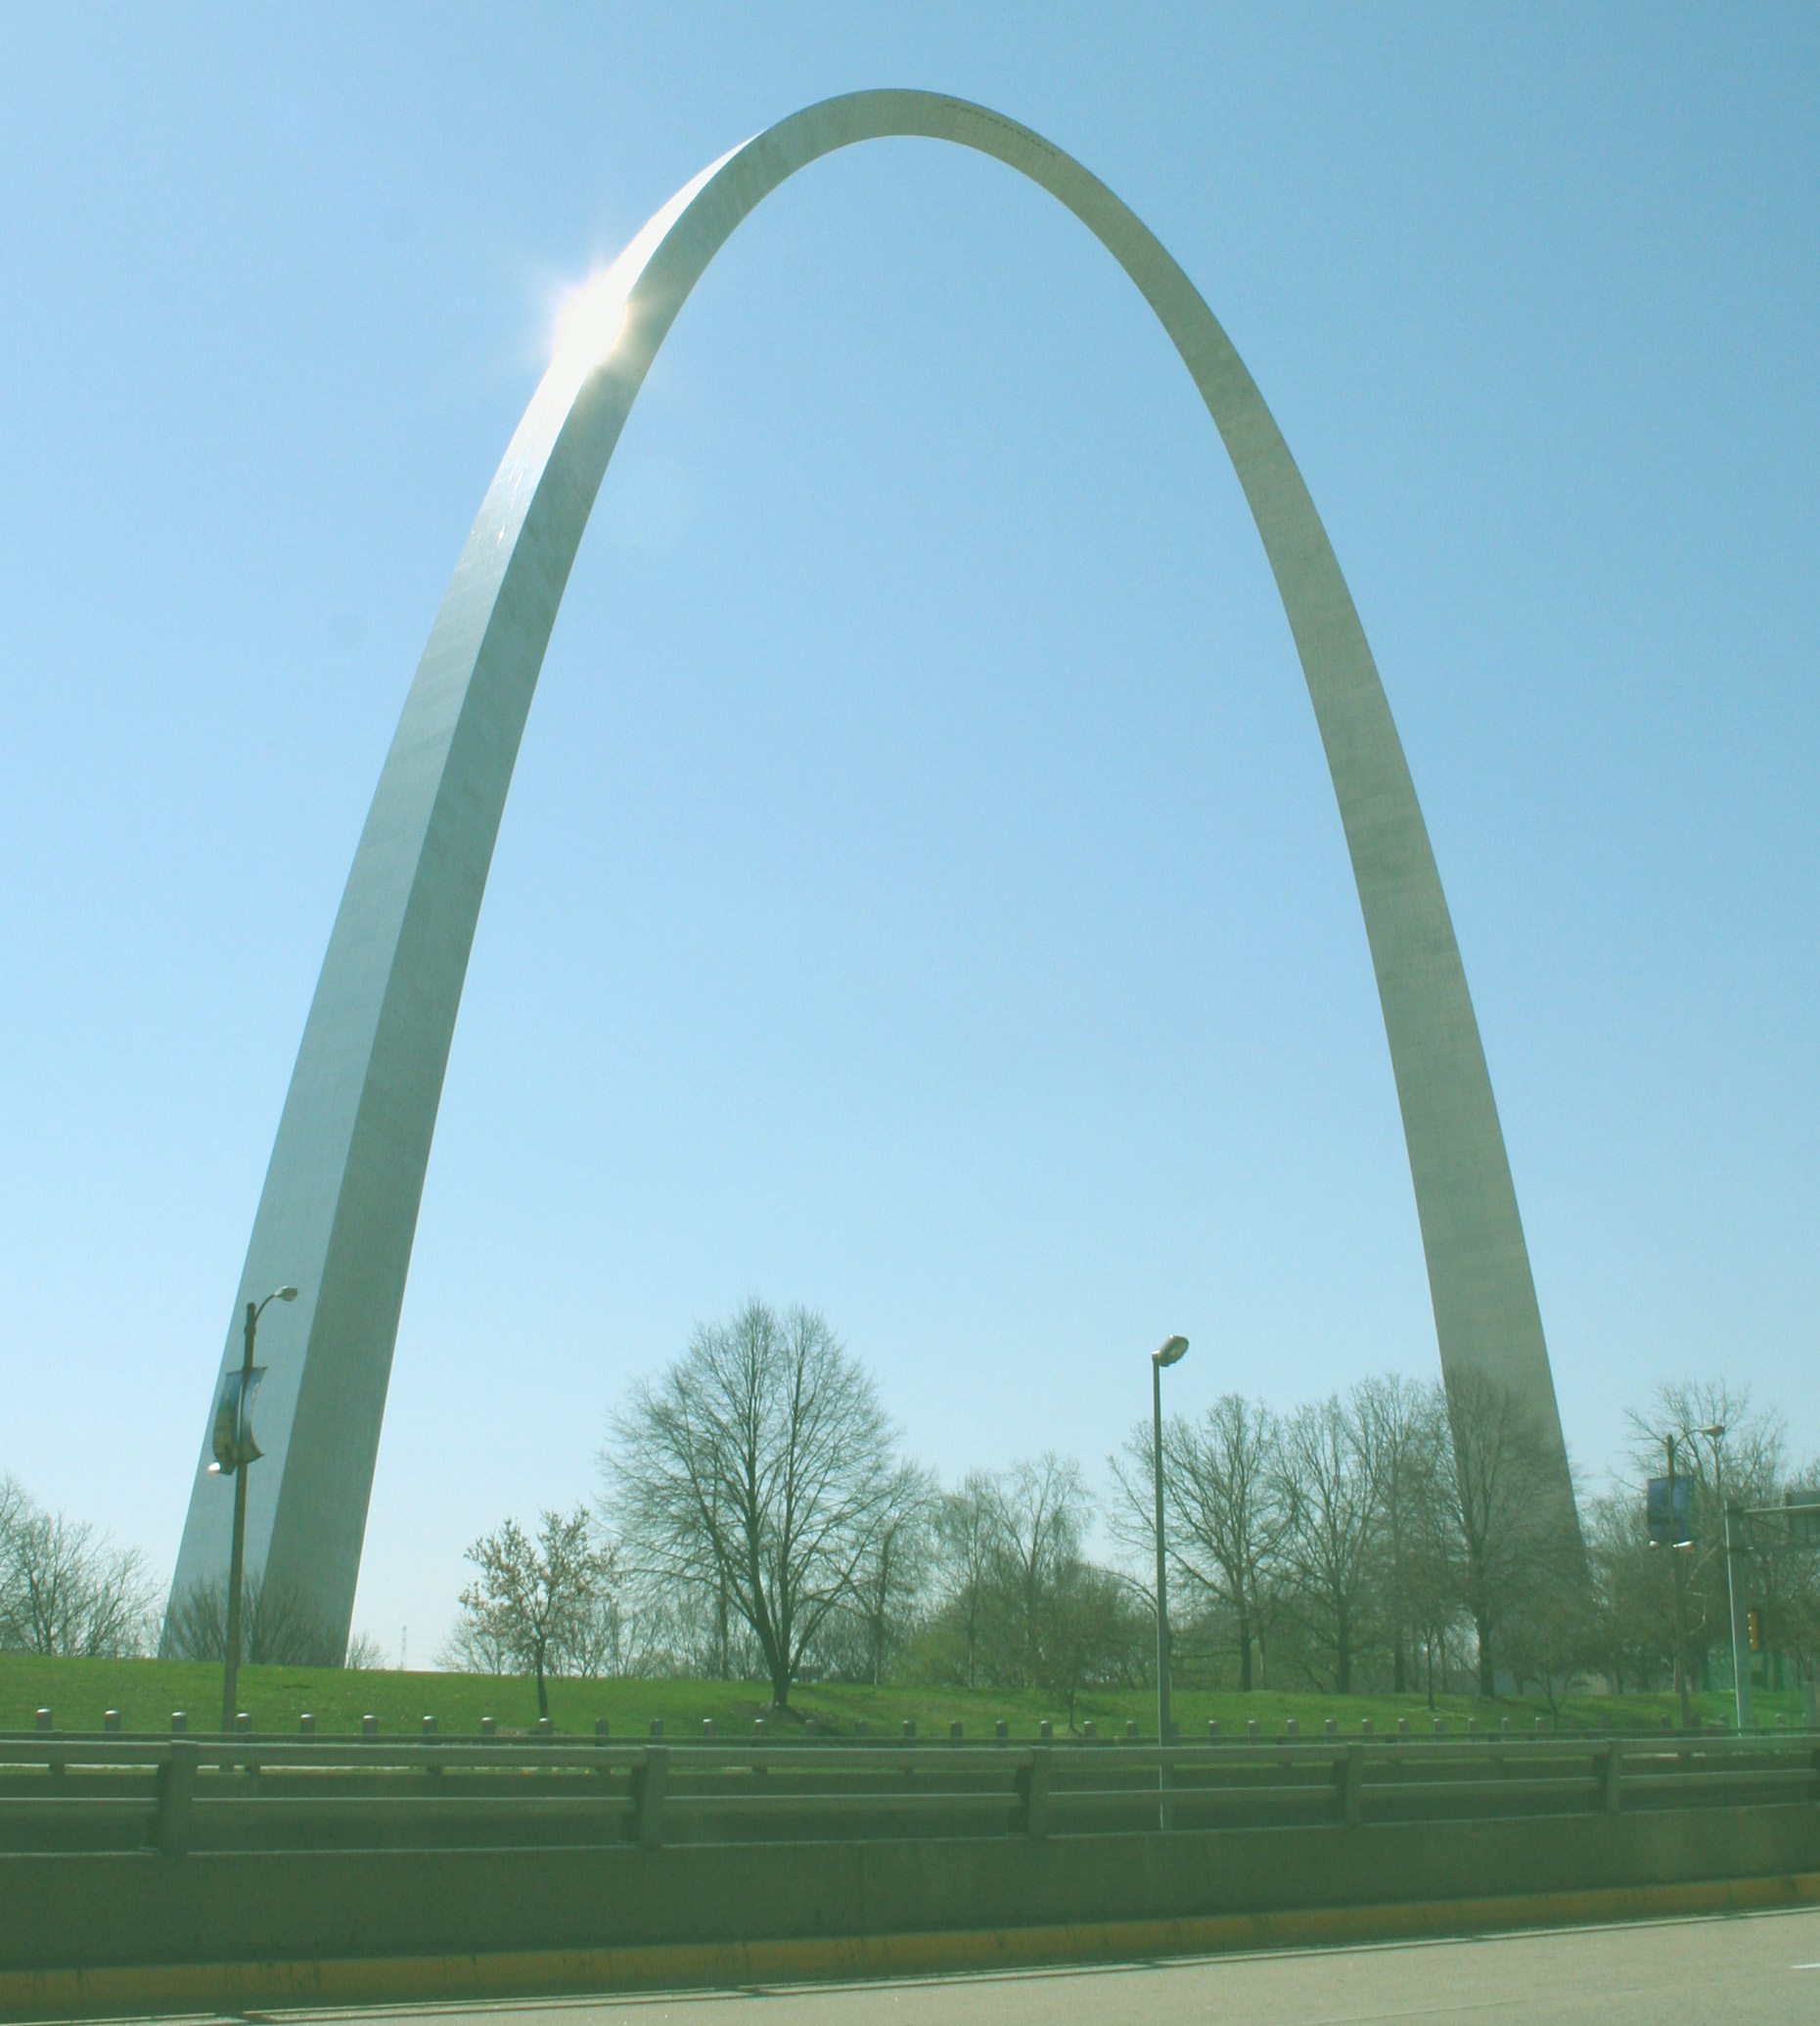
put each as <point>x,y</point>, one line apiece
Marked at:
<point>543,1694</point>
<point>1398,1672</point>
<point>780,1686</point>
<point>1245,1652</point>
<point>1487,1673</point>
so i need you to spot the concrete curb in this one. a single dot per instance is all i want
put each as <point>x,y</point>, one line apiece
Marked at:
<point>139,1990</point>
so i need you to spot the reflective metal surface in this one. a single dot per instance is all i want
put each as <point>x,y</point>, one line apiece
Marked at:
<point>339,1210</point>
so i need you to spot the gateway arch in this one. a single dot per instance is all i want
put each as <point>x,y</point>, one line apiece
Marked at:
<point>338,1210</point>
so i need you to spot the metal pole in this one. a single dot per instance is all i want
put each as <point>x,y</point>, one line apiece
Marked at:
<point>1172,1349</point>
<point>1162,1596</point>
<point>1741,1641</point>
<point>1680,1604</point>
<point>236,1558</point>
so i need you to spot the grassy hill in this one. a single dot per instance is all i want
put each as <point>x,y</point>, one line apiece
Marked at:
<point>147,1691</point>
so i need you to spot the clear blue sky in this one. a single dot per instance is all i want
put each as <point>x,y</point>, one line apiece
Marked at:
<point>920,894</point>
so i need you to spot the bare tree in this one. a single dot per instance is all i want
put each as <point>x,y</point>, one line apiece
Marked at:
<point>1042,1513</point>
<point>967,1534</point>
<point>1224,1516</point>
<point>64,1589</point>
<point>1406,1429</point>
<point>1515,1539</point>
<point>365,1655</point>
<point>761,1462</point>
<point>891,1577</point>
<point>278,1627</point>
<point>538,1601</point>
<point>1329,1484</point>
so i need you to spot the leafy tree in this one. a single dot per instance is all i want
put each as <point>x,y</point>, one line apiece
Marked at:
<point>536,1601</point>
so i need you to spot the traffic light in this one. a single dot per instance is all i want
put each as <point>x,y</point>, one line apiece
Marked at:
<point>1754,1620</point>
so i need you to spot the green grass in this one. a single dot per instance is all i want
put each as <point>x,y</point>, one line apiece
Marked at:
<point>147,1691</point>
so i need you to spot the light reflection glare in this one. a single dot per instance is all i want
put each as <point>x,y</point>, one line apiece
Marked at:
<point>590,319</point>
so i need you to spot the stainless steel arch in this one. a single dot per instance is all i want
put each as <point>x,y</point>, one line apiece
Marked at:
<point>339,1210</point>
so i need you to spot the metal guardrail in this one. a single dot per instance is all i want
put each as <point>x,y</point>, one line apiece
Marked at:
<point>66,1791</point>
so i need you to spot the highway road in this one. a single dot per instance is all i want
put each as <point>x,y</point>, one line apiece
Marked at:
<point>1754,1967</point>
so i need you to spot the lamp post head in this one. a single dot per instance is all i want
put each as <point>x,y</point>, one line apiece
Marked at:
<point>287,1294</point>
<point>1716,1432</point>
<point>1173,1349</point>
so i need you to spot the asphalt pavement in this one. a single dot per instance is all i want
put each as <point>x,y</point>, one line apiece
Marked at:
<point>1755,1967</point>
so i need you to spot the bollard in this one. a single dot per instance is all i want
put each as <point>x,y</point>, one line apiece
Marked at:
<point>242,1720</point>
<point>862,1729</point>
<point>656,1726</point>
<point>648,1783</point>
<point>909,1728</point>
<point>1290,1729</point>
<point>546,1728</point>
<point>176,1784</point>
<point>1001,1730</point>
<point>1089,1729</point>
<point>1131,1730</point>
<point>707,1729</point>
<point>306,1725</point>
<point>1213,1730</point>
<point>1330,1728</point>
<point>109,1720</point>
<point>489,1726</point>
<point>1352,1786</point>
<point>429,1726</point>
<point>955,1732</point>
<point>179,1720</point>
<point>761,1728</point>
<point>602,1733</point>
<point>1440,1727</point>
<point>1471,1726</point>
<point>1612,1777</point>
<point>1504,1729</point>
<point>808,1729</point>
<point>44,1720</point>
<point>1402,1726</point>
<point>1539,1731</point>
<point>1254,1728</point>
<point>1033,1793</point>
<point>1365,1726</point>
<point>369,1725</point>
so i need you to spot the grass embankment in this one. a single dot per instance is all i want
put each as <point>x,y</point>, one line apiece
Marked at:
<point>147,1691</point>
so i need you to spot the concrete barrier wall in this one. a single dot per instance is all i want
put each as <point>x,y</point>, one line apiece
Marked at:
<point>85,1911</point>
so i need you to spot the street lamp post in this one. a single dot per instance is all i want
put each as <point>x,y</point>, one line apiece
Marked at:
<point>1676,1548</point>
<point>1168,1354</point>
<point>1741,1645</point>
<point>235,1450</point>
